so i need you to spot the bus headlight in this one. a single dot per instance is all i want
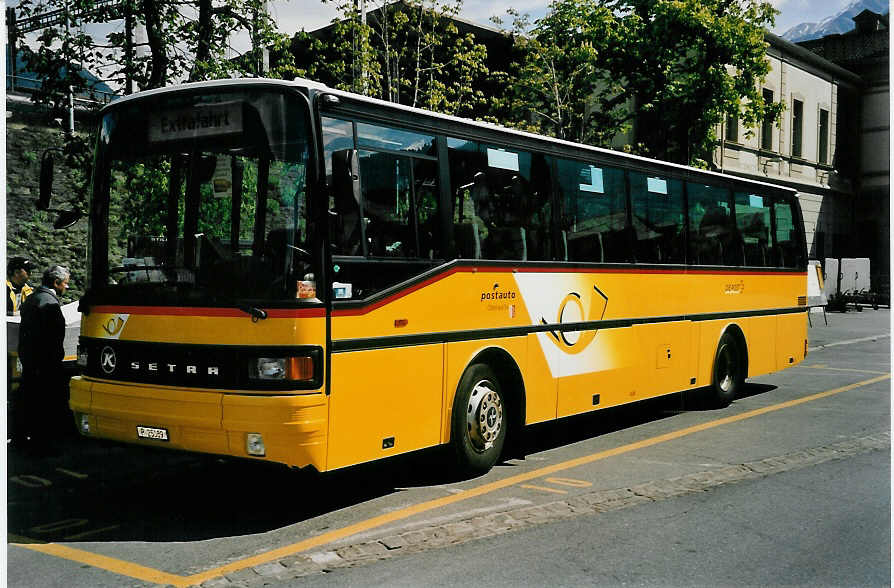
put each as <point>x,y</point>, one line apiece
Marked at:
<point>281,369</point>
<point>83,422</point>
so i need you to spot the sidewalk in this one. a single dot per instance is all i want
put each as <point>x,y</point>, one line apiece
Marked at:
<point>847,326</point>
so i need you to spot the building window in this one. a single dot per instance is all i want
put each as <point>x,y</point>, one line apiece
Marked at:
<point>823,156</point>
<point>732,128</point>
<point>797,127</point>
<point>767,125</point>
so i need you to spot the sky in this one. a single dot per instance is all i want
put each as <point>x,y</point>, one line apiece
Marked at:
<point>311,14</point>
<point>293,15</point>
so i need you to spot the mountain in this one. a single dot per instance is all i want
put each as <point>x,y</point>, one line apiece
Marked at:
<point>840,23</point>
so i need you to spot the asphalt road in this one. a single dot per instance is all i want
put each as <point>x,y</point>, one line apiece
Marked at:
<point>788,485</point>
<point>827,525</point>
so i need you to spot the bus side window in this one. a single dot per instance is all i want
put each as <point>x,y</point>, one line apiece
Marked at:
<point>787,252</point>
<point>753,225</point>
<point>338,144</point>
<point>470,193</point>
<point>536,207</point>
<point>387,206</point>
<point>594,215</point>
<point>346,193</point>
<point>711,232</point>
<point>427,195</point>
<point>658,214</point>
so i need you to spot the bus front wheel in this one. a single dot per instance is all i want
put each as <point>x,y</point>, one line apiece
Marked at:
<point>727,378</point>
<point>479,420</point>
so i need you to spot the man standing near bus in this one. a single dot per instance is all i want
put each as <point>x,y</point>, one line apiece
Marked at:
<point>17,288</point>
<point>41,352</point>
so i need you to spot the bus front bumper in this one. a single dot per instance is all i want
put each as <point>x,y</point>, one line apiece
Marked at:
<point>292,428</point>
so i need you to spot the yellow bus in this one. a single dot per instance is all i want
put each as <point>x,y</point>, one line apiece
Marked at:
<point>282,271</point>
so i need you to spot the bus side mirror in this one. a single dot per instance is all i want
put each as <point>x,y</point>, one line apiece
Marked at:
<point>46,181</point>
<point>66,217</point>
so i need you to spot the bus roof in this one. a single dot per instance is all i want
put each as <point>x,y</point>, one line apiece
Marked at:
<point>319,87</point>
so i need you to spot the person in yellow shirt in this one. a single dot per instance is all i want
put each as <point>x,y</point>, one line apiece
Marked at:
<point>17,289</point>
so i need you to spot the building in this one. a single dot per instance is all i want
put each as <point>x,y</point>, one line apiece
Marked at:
<point>809,149</point>
<point>865,52</point>
<point>832,143</point>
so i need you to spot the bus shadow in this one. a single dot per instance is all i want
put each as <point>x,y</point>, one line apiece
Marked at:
<point>99,491</point>
<point>551,435</point>
<point>126,493</point>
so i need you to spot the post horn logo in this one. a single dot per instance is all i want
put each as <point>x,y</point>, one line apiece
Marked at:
<point>571,310</point>
<point>114,325</point>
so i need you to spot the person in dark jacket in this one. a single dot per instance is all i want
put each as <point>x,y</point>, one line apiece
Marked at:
<point>41,351</point>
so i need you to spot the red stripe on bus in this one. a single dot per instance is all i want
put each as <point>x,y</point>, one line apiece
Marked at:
<point>207,311</point>
<point>512,270</point>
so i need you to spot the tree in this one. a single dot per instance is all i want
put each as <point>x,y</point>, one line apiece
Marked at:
<point>669,69</point>
<point>559,86</point>
<point>409,52</point>
<point>185,40</point>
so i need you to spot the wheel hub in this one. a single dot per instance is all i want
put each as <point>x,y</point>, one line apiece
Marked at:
<point>484,415</point>
<point>727,366</point>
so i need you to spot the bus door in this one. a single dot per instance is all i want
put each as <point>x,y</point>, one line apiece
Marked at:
<point>386,390</point>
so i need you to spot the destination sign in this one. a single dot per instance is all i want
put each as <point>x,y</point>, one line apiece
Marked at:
<point>212,120</point>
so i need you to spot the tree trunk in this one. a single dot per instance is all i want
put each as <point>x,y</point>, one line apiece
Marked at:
<point>203,43</point>
<point>158,72</point>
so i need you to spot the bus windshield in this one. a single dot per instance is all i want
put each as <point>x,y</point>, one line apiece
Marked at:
<point>201,199</point>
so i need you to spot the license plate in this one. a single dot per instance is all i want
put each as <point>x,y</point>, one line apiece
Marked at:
<point>152,433</point>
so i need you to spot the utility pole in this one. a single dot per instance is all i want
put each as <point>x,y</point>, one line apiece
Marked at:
<point>68,58</point>
<point>13,52</point>
<point>128,48</point>
<point>260,53</point>
<point>363,42</point>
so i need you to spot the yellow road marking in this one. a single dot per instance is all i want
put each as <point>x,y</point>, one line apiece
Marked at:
<point>29,481</point>
<point>543,489</point>
<point>126,568</point>
<point>77,475</point>
<point>92,532</point>
<point>570,482</point>
<point>118,566</point>
<point>823,366</point>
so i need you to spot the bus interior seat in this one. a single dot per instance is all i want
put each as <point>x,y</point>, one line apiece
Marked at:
<point>617,246</point>
<point>756,254</point>
<point>468,243</point>
<point>648,250</point>
<point>734,250</point>
<point>539,245</point>
<point>585,248</point>
<point>708,251</point>
<point>506,243</point>
<point>389,239</point>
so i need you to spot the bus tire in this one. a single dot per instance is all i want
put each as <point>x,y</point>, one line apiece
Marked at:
<point>480,420</point>
<point>727,376</point>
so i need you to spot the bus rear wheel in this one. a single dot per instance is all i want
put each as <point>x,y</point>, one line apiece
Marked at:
<point>727,378</point>
<point>479,423</point>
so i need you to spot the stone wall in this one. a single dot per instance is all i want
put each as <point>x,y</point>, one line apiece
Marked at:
<point>30,232</point>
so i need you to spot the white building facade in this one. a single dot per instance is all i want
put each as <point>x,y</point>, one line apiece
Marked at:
<point>804,149</point>
<point>832,142</point>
